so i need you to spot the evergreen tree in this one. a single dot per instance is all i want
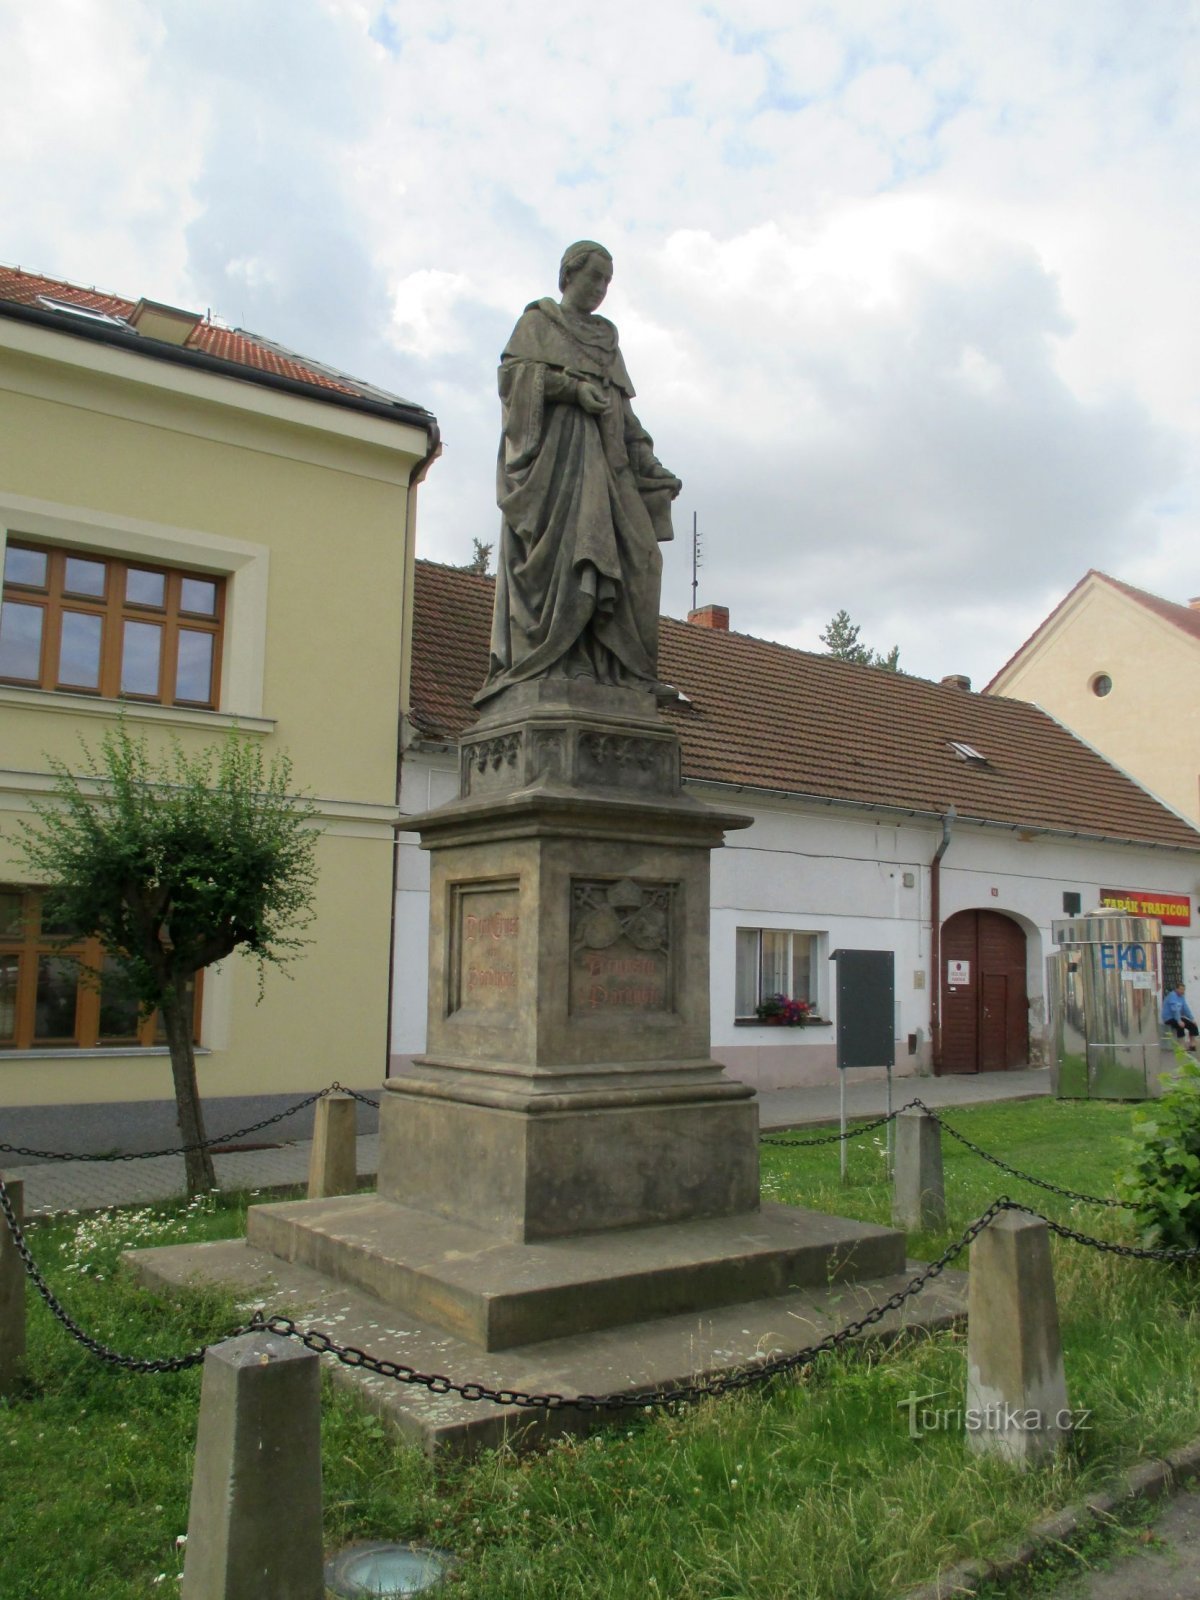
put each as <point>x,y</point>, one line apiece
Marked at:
<point>840,638</point>
<point>480,558</point>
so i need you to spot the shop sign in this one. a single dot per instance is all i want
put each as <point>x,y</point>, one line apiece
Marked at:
<point>1172,909</point>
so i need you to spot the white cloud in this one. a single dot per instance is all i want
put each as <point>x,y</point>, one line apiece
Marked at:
<point>906,291</point>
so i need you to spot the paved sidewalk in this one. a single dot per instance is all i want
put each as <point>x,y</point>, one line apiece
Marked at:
<point>93,1185</point>
<point>789,1108</point>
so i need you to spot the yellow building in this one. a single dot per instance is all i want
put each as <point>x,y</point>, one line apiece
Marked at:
<point>210,532</point>
<point>1120,668</point>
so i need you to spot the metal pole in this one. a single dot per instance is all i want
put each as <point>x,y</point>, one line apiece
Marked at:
<point>842,1113</point>
<point>891,1154</point>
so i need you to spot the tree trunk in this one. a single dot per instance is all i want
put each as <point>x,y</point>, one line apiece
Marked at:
<point>177,1014</point>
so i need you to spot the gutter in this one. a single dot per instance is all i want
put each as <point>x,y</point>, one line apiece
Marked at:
<point>416,477</point>
<point>199,360</point>
<point>918,812</point>
<point>935,941</point>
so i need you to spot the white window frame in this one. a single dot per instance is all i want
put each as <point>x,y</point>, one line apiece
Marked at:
<point>816,940</point>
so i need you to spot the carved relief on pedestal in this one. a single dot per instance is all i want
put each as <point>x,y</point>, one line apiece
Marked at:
<point>490,763</point>
<point>621,947</point>
<point>625,761</point>
<point>484,967</point>
<point>548,755</point>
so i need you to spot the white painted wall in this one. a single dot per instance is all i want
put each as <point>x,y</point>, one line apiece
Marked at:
<point>837,874</point>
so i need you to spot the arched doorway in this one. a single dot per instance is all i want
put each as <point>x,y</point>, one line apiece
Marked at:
<point>985,1012</point>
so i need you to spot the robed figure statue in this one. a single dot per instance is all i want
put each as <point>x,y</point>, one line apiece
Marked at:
<point>584,499</point>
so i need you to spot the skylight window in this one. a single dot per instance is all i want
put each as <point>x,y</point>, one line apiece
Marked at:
<point>968,752</point>
<point>85,312</point>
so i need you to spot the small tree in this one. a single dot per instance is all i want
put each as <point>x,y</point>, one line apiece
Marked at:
<point>174,862</point>
<point>840,639</point>
<point>481,557</point>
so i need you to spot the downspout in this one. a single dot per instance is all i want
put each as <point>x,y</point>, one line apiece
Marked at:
<point>935,940</point>
<point>402,723</point>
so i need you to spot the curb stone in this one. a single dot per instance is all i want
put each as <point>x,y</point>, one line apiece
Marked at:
<point>1148,1481</point>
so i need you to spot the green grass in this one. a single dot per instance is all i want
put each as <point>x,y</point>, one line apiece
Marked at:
<point>810,1489</point>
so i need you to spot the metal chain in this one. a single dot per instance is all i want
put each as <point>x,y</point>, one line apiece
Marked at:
<point>322,1343</point>
<point>102,1351</point>
<point>835,1138</point>
<point>1130,1251</point>
<point>203,1144</point>
<point>1015,1172</point>
<point>706,1389</point>
<point>919,1105</point>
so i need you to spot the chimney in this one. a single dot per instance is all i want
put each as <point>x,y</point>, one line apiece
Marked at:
<point>710,617</point>
<point>956,680</point>
<point>1194,603</point>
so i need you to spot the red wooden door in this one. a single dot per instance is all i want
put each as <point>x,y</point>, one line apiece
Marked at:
<point>985,1011</point>
<point>993,1005</point>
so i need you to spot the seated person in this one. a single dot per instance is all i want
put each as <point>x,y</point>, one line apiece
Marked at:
<point>1177,1015</point>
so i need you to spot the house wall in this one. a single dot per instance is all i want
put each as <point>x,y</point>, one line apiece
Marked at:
<point>1150,722</point>
<point>840,876</point>
<point>305,509</point>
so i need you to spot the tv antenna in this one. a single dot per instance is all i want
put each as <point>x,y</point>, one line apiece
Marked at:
<point>697,557</point>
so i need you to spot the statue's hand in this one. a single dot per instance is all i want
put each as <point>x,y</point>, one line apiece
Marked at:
<point>592,399</point>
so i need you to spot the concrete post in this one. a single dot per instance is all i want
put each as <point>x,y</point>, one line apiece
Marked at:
<point>918,1191</point>
<point>1016,1388</point>
<point>254,1529</point>
<point>12,1294</point>
<point>333,1165</point>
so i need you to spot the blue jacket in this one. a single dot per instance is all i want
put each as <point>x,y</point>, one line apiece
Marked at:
<point>1175,1007</point>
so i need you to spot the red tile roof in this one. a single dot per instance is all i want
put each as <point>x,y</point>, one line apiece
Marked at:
<point>1185,617</point>
<point>233,345</point>
<point>769,717</point>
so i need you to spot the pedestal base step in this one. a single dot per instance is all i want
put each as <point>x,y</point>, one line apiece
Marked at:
<point>496,1294</point>
<point>659,1354</point>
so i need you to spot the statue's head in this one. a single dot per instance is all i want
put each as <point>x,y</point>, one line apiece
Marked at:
<point>589,267</point>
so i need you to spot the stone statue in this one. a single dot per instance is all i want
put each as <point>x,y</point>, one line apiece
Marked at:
<point>584,499</point>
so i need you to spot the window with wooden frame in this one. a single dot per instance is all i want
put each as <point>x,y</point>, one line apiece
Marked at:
<point>56,991</point>
<point>103,625</point>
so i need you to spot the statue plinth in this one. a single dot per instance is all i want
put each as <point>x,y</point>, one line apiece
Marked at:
<point>567,1085</point>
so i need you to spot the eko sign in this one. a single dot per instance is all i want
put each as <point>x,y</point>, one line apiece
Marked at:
<point>1174,909</point>
<point>1123,957</point>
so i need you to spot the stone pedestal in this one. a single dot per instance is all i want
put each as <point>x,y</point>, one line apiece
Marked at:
<point>567,1180</point>
<point>567,1085</point>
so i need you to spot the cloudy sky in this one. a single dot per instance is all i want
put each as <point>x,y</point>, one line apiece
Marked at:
<point>908,291</point>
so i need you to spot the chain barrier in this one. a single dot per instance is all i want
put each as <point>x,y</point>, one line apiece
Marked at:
<point>835,1138</point>
<point>113,1357</point>
<point>1014,1172</point>
<point>202,1144</point>
<point>768,1141</point>
<point>639,1400</point>
<point>1131,1252</point>
<point>919,1105</point>
<point>316,1339</point>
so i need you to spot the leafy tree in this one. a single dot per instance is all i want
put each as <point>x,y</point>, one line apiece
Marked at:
<point>1161,1185</point>
<point>840,639</point>
<point>481,557</point>
<point>173,862</point>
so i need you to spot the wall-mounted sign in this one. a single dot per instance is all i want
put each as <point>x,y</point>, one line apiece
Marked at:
<point>958,972</point>
<point>1173,909</point>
